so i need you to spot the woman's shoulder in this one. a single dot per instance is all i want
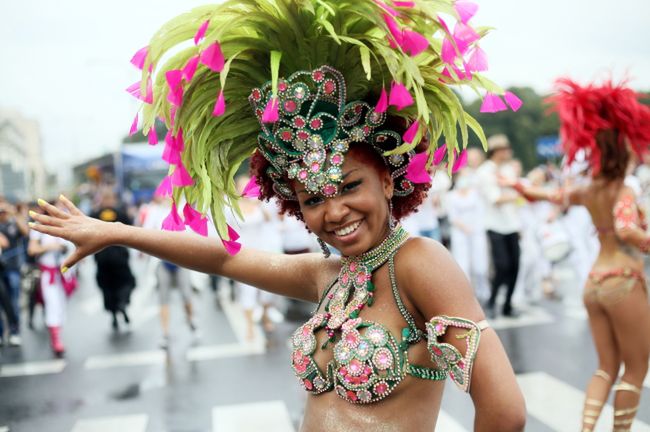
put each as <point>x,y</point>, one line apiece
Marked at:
<point>428,275</point>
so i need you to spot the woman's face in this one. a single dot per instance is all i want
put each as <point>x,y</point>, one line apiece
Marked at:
<point>356,219</point>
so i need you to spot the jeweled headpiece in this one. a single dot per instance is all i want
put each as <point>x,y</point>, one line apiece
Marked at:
<point>315,128</point>
<point>399,59</point>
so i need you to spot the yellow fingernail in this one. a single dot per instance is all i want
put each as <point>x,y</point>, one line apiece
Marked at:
<point>31,224</point>
<point>32,213</point>
<point>62,197</point>
<point>64,269</point>
<point>41,202</point>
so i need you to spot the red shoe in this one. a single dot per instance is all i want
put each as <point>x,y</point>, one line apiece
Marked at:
<point>55,340</point>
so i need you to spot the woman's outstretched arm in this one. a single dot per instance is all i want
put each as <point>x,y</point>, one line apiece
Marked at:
<point>297,276</point>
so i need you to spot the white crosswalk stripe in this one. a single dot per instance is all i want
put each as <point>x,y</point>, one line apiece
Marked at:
<point>531,316</point>
<point>559,405</point>
<point>127,423</point>
<point>32,368</point>
<point>272,416</point>
<point>141,358</point>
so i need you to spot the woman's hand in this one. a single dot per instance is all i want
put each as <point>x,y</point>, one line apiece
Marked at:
<point>88,235</point>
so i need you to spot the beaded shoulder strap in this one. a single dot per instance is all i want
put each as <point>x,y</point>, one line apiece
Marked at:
<point>325,292</point>
<point>410,334</point>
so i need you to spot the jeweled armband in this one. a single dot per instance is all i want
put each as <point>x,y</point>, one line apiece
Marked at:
<point>446,356</point>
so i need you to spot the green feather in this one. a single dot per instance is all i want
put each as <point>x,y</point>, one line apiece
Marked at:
<point>264,40</point>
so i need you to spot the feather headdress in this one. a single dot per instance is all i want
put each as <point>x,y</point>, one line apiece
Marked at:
<point>199,69</point>
<point>584,111</point>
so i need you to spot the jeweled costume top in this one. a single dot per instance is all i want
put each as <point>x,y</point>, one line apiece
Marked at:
<point>320,75</point>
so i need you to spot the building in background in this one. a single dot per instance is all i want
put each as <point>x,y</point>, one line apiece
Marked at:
<point>22,171</point>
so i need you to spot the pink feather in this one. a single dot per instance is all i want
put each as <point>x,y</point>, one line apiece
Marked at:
<point>164,189</point>
<point>399,96</point>
<point>465,10</point>
<point>382,103</point>
<point>252,189</point>
<point>271,113</point>
<point>410,133</point>
<point>139,57</point>
<point>492,103</point>
<point>200,33</point>
<point>416,171</point>
<point>212,57</point>
<point>219,106</point>
<point>513,101</point>
<point>173,221</point>
<point>190,68</point>
<point>460,162</point>
<point>439,154</point>
<point>134,125</point>
<point>180,176</point>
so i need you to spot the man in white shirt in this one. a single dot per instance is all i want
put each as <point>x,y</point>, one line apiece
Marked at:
<point>502,221</point>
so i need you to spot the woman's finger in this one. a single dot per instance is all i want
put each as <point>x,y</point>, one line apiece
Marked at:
<point>70,206</point>
<point>52,210</point>
<point>46,220</point>
<point>71,260</point>
<point>47,229</point>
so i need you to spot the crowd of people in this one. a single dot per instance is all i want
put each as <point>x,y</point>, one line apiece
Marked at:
<point>353,126</point>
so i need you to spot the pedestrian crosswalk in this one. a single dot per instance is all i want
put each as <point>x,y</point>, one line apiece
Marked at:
<point>32,368</point>
<point>549,400</point>
<point>270,416</point>
<point>558,405</point>
<point>128,423</point>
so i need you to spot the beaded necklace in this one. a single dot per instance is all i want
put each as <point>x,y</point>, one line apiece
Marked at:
<point>355,277</point>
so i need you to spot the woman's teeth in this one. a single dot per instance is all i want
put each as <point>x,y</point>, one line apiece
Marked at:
<point>347,230</point>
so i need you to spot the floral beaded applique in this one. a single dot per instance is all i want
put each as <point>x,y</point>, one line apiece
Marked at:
<point>446,356</point>
<point>627,214</point>
<point>368,365</point>
<point>302,363</point>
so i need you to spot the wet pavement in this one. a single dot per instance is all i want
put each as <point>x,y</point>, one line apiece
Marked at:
<point>122,381</point>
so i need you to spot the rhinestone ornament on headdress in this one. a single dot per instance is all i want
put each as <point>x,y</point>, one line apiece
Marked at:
<point>314,130</point>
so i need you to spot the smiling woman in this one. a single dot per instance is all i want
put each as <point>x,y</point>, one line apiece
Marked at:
<point>395,315</point>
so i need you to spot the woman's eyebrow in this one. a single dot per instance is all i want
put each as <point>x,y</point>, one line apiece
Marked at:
<point>342,178</point>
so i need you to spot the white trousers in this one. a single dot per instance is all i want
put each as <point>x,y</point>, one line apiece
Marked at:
<point>249,296</point>
<point>54,300</point>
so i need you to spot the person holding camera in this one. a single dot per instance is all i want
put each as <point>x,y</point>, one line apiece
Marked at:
<point>14,228</point>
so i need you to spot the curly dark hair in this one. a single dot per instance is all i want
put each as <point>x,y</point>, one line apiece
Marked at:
<point>402,205</point>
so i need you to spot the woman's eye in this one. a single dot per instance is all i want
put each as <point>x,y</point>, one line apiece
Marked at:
<point>350,186</point>
<point>313,201</point>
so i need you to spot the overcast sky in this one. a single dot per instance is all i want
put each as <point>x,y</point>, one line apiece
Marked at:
<point>66,63</point>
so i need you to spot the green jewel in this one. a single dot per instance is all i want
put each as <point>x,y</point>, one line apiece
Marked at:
<point>370,286</point>
<point>354,314</point>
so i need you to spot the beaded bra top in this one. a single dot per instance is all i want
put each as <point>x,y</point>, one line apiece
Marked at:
<point>368,361</point>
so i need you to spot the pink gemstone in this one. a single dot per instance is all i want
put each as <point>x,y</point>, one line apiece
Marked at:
<point>363,378</point>
<point>355,367</point>
<point>318,76</point>
<point>352,339</point>
<point>282,86</point>
<point>290,106</point>
<point>345,279</point>
<point>351,395</point>
<point>303,135</point>
<point>308,384</point>
<point>329,189</point>
<point>361,278</point>
<point>353,267</point>
<point>436,350</point>
<point>438,327</point>
<point>302,175</point>
<point>256,94</point>
<point>286,136</point>
<point>315,167</point>
<point>306,331</point>
<point>298,122</point>
<point>329,87</point>
<point>316,124</point>
<point>381,388</point>
<point>336,159</point>
<point>366,130</point>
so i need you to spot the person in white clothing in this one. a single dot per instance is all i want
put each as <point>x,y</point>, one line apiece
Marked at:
<point>168,274</point>
<point>502,221</point>
<point>258,230</point>
<point>55,285</point>
<point>468,240</point>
